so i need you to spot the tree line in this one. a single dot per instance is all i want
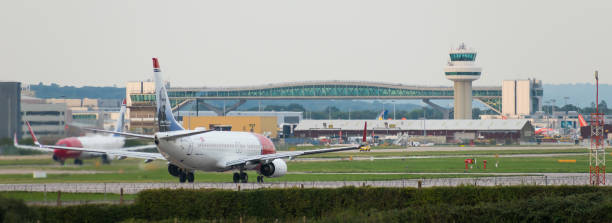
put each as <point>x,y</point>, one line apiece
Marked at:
<point>603,108</point>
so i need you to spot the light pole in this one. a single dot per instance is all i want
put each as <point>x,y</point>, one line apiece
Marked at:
<point>424,118</point>
<point>548,116</point>
<point>393,110</point>
<point>553,105</point>
<point>349,113</point>
<point>553,112</point>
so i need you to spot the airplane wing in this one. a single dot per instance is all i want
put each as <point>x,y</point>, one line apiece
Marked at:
<point>268,157</point>
<point>116,153</point>
<point>123,133</point>
<point>136,148</point>
<point>122,152</point>
<point>162,135</point>
<point>35,148</point>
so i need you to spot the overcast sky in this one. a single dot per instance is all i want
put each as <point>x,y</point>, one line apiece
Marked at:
<point>229,43</point>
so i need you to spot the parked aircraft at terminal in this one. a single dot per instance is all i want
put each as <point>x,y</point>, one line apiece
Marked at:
<point>102,142</point>
<point>207,150</point>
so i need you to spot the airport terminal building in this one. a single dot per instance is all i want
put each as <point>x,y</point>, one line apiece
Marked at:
<point>502,131</point>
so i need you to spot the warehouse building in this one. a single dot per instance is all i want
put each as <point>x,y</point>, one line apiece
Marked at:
<point>502,131</point>
<point>10,116</point>
<point>45,119</point>
<point>257,124</point>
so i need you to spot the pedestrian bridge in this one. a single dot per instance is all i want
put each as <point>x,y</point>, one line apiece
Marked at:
<point>322,90</point>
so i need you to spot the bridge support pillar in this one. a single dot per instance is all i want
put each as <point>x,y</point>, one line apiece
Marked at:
<point>221,111</point>
<point>445,111</point>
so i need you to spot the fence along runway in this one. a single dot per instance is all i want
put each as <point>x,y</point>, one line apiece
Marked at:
<point>132,188</point>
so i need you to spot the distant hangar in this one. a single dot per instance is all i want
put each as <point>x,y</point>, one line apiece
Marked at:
<point>513,131</point>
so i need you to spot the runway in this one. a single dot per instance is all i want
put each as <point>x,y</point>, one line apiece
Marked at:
<point>132,188</point>
<point>478,148</point>
<point>435,156</point>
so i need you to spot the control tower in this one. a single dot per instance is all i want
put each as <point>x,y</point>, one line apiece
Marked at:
<point>462,70</point>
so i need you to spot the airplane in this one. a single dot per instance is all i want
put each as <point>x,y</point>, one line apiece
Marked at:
<point>545,131</point>
<point>115,141</point>
<point>382,115</point>
<point>208,150</point>
<point>581,120</point>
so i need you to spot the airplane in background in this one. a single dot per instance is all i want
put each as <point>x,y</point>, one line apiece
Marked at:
<point>546,131</point>
<point>207,150</point>
<point>112,142</point>
<point>382,115</point>
<point>581,120</point>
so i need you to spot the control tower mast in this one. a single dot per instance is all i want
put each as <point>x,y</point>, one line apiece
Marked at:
<point>462,71</point>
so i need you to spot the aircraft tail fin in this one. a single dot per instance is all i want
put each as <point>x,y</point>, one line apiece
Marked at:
<point>365,133</point>
<point>121,119</point>
<point>382,115</point>
<point>581,120</point>
<point>165,119</point>
<point>34,138</point>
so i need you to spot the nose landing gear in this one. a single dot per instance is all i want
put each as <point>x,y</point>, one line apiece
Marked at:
<point>183,174</point>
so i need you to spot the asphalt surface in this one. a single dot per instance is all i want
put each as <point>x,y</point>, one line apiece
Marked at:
<point>436,156</point>
<point>499,179</point>
<point>477,148</point>
<point>132,188</point>
<point>30,171</point>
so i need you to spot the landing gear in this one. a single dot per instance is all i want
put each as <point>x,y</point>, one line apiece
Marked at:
<point>241,177</point>
<point>78,162</point>
<point>236,178</point>
<point>182,177</point>
<point>260,179</point>
<point>190,177</point>
<point>186,176</point>
<point>57,159</point>
<point>244,178</point>
<point>183,174</point>
<point>105,159</point>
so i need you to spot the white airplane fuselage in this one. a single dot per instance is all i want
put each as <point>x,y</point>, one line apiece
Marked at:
<point>209,151</point>
<point>93,141</point>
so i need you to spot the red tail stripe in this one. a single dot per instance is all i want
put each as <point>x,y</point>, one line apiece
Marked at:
<point>155,63</point>
<point>365,130</point>
<point>31,132</point>
<point>582,121</point>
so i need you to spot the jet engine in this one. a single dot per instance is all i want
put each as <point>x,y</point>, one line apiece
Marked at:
<point>106,158</point>
<point>276,168</point>
<point>174,170</point>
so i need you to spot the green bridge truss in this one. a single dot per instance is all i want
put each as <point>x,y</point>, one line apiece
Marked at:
<point>490,96</point>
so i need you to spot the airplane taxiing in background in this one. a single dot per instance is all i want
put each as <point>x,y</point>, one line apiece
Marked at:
<point>103,142</point>
<point>207,150</point>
